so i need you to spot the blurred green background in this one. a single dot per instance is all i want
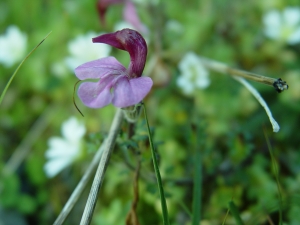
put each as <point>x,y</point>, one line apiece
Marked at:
<point>223,121</point>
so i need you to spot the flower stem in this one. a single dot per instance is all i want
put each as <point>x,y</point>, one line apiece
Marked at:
<point>276,174</point>
<point>235,213</point>
<point>278,84</point>
<point>98,179</point>
<point>157,173</point>
<point>79,188</point>
<point>197,187</point>
<point>256,94</point>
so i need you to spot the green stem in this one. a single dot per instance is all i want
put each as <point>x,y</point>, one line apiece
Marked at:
<point>197,187</point>
<point>157,173</point>
<point>276,174</point>
<point>235,213</point>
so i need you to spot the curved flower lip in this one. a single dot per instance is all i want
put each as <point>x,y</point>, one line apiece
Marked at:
<point>132,42</point>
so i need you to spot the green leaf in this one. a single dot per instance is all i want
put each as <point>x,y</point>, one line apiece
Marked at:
<point>26,204</point>
<point>157,173</point>
<point>10,192</point>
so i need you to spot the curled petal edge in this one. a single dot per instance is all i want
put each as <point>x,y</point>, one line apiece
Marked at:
<point>99,68</point>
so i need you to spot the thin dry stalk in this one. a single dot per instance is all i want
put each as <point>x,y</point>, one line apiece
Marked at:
<point>98,179</point>
<point>79,188</point>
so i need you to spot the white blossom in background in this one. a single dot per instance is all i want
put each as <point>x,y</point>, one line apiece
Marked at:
<point>63,151</point>
<point>13,46</point>
<point>175,26</point>
<point>82,50</point>
<point>283,26</point>
<point>193,74</point>
<point>59,69</point>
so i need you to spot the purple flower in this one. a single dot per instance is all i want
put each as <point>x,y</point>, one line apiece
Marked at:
<point>117,85</point>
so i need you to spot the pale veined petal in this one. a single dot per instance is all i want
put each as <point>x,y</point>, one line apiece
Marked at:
<point>129,92</point>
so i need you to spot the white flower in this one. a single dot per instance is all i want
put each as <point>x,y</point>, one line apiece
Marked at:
<point>59,69</point>
<point>13,46</point>
<point>174,26</point>
<point>283,26</point>
<point>82,50</point>
<point>192,74</point>
<point>64,150</point>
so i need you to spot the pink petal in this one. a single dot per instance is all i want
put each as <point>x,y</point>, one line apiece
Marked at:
<point>130,92</point>
<point>99,68</point>
<point>131,16</point>
<point>96,94</point>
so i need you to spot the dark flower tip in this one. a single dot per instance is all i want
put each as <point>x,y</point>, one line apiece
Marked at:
<point>132,42</point>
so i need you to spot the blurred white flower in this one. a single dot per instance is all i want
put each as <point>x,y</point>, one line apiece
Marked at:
<point>64,150</point>
<point>192,74</point>
<point>283,26</point>
<point>59,69</point>
<point>82,50</point>
<point>13,46</point>
<point>174,26</point>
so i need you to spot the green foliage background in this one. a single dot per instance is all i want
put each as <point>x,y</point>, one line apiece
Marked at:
<point>235,160</point>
